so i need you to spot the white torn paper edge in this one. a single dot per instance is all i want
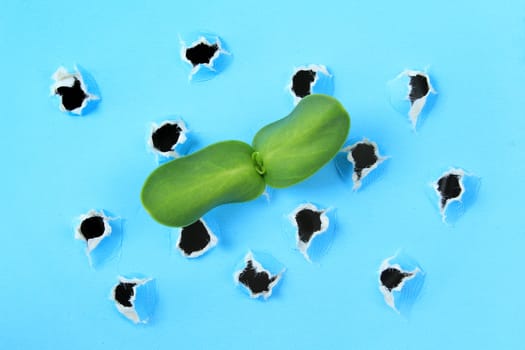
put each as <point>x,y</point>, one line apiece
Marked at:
<point>364,173</point>
<point>93,242</point>
<point>130,312</point>
<point>173,153</point>
<point>453,171</point>
<point>258,269</point>
<point>63,78</point>
<point>212,243</point>
<point>387,294</point>
<point>202,40</point>
<point>417,106</point>
<point>325,222</point>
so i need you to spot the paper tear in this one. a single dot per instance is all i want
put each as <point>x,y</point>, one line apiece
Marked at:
<point>169,139</point>
<point>410,92</point>
<point>93,227</point>
<point>364,157</point>
<point>255,278</point>
<point>419,89</point>
<point>393,279</point>
<point>125,296</point>
<point>75,94</point>
<point>310,222</point>
<point>311,79</point>
<point>101,235</point>
<point>204,56</point>
<point>449,188</point>
<point>196,239</point>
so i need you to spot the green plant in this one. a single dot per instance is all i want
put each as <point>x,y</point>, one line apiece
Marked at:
<point>283,153</point>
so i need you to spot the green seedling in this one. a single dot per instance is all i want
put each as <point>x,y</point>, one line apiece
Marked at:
<point>282,154</point>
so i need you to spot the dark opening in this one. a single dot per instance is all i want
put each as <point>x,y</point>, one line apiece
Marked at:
<point>165,137</point>
<point>201,53</point>
<point>257,282</point>
<point>418,87</point>
<point>391,278</point>
<point>364,155</point>
<point>194,237</point>
<point>123,293</point>
<point>72,97</point>
<point>449,187</point>
<point>92,227</point>
<point>308,222</point>
<point>302,82</point>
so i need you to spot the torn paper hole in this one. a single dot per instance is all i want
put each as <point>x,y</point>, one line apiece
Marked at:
<point>409,92</point>
<point>93,228</point>
<point>357,160</point>
<point>258,274</point>
<point>449,188</point>
<point>78,91</point>
<point>312,79</point>
<point>313,230</point>
<point>135,298</point>
<point>169,140</point>
<point>102,235</point>
<point>206,54</point>
<point>400,281</point>
<point>196,239</point>
<point>455,190</point>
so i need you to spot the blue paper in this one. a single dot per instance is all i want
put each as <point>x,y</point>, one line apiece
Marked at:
<point>56,167</point>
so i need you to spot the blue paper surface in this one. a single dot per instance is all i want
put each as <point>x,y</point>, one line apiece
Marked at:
<point>55,167</point>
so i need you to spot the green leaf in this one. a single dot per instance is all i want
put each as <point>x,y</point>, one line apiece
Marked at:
<point>285,152</point>
<point>295,147</point>
<point>180,192</point>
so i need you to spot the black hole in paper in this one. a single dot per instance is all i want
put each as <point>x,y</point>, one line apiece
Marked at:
<point>449,187</point>
<point>201,53</point>
<point>308,222</point>
<point>165,137</point>
<point>418,87</point>
<point>364,156</point>
<point>302,82</point>
<point>72,97</point>
<point>92,227</point>
<point>123,293</point>
<point>194,238</point>
<point>257,282</point>
<point>391,277</point>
